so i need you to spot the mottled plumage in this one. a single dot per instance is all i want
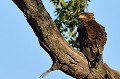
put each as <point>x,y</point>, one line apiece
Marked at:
<point>91,38</point>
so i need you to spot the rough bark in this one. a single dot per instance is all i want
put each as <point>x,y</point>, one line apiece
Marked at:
<point>64,57</point>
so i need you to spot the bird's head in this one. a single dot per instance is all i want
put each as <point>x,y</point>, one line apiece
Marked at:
<point>86,16</point>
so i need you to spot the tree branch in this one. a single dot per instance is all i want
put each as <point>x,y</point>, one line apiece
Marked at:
<point>64,57</point>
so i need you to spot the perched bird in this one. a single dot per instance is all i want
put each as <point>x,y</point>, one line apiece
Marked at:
<point>91,39</point>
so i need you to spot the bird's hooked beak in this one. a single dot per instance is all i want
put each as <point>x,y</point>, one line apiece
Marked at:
<point>82,16</point>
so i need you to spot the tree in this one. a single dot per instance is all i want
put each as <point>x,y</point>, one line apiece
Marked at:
<point>65,57</point>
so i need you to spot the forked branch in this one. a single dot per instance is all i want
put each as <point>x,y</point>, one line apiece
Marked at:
<point>64,57</point>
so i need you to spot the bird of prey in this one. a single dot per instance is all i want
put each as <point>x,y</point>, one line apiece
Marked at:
<point>91,39</point>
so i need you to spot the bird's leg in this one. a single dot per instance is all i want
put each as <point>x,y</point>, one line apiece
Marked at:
<point>99,60</point>
<point>92,64</point>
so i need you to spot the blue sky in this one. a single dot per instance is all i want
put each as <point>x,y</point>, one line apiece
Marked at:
<point>21,56</point>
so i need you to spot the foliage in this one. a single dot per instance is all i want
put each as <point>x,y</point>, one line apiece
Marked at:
<point>67,12</point>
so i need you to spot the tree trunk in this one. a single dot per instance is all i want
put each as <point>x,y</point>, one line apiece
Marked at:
<point>64,57</point>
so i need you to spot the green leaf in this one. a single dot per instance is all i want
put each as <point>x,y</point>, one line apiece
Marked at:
<point>67,20</point>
